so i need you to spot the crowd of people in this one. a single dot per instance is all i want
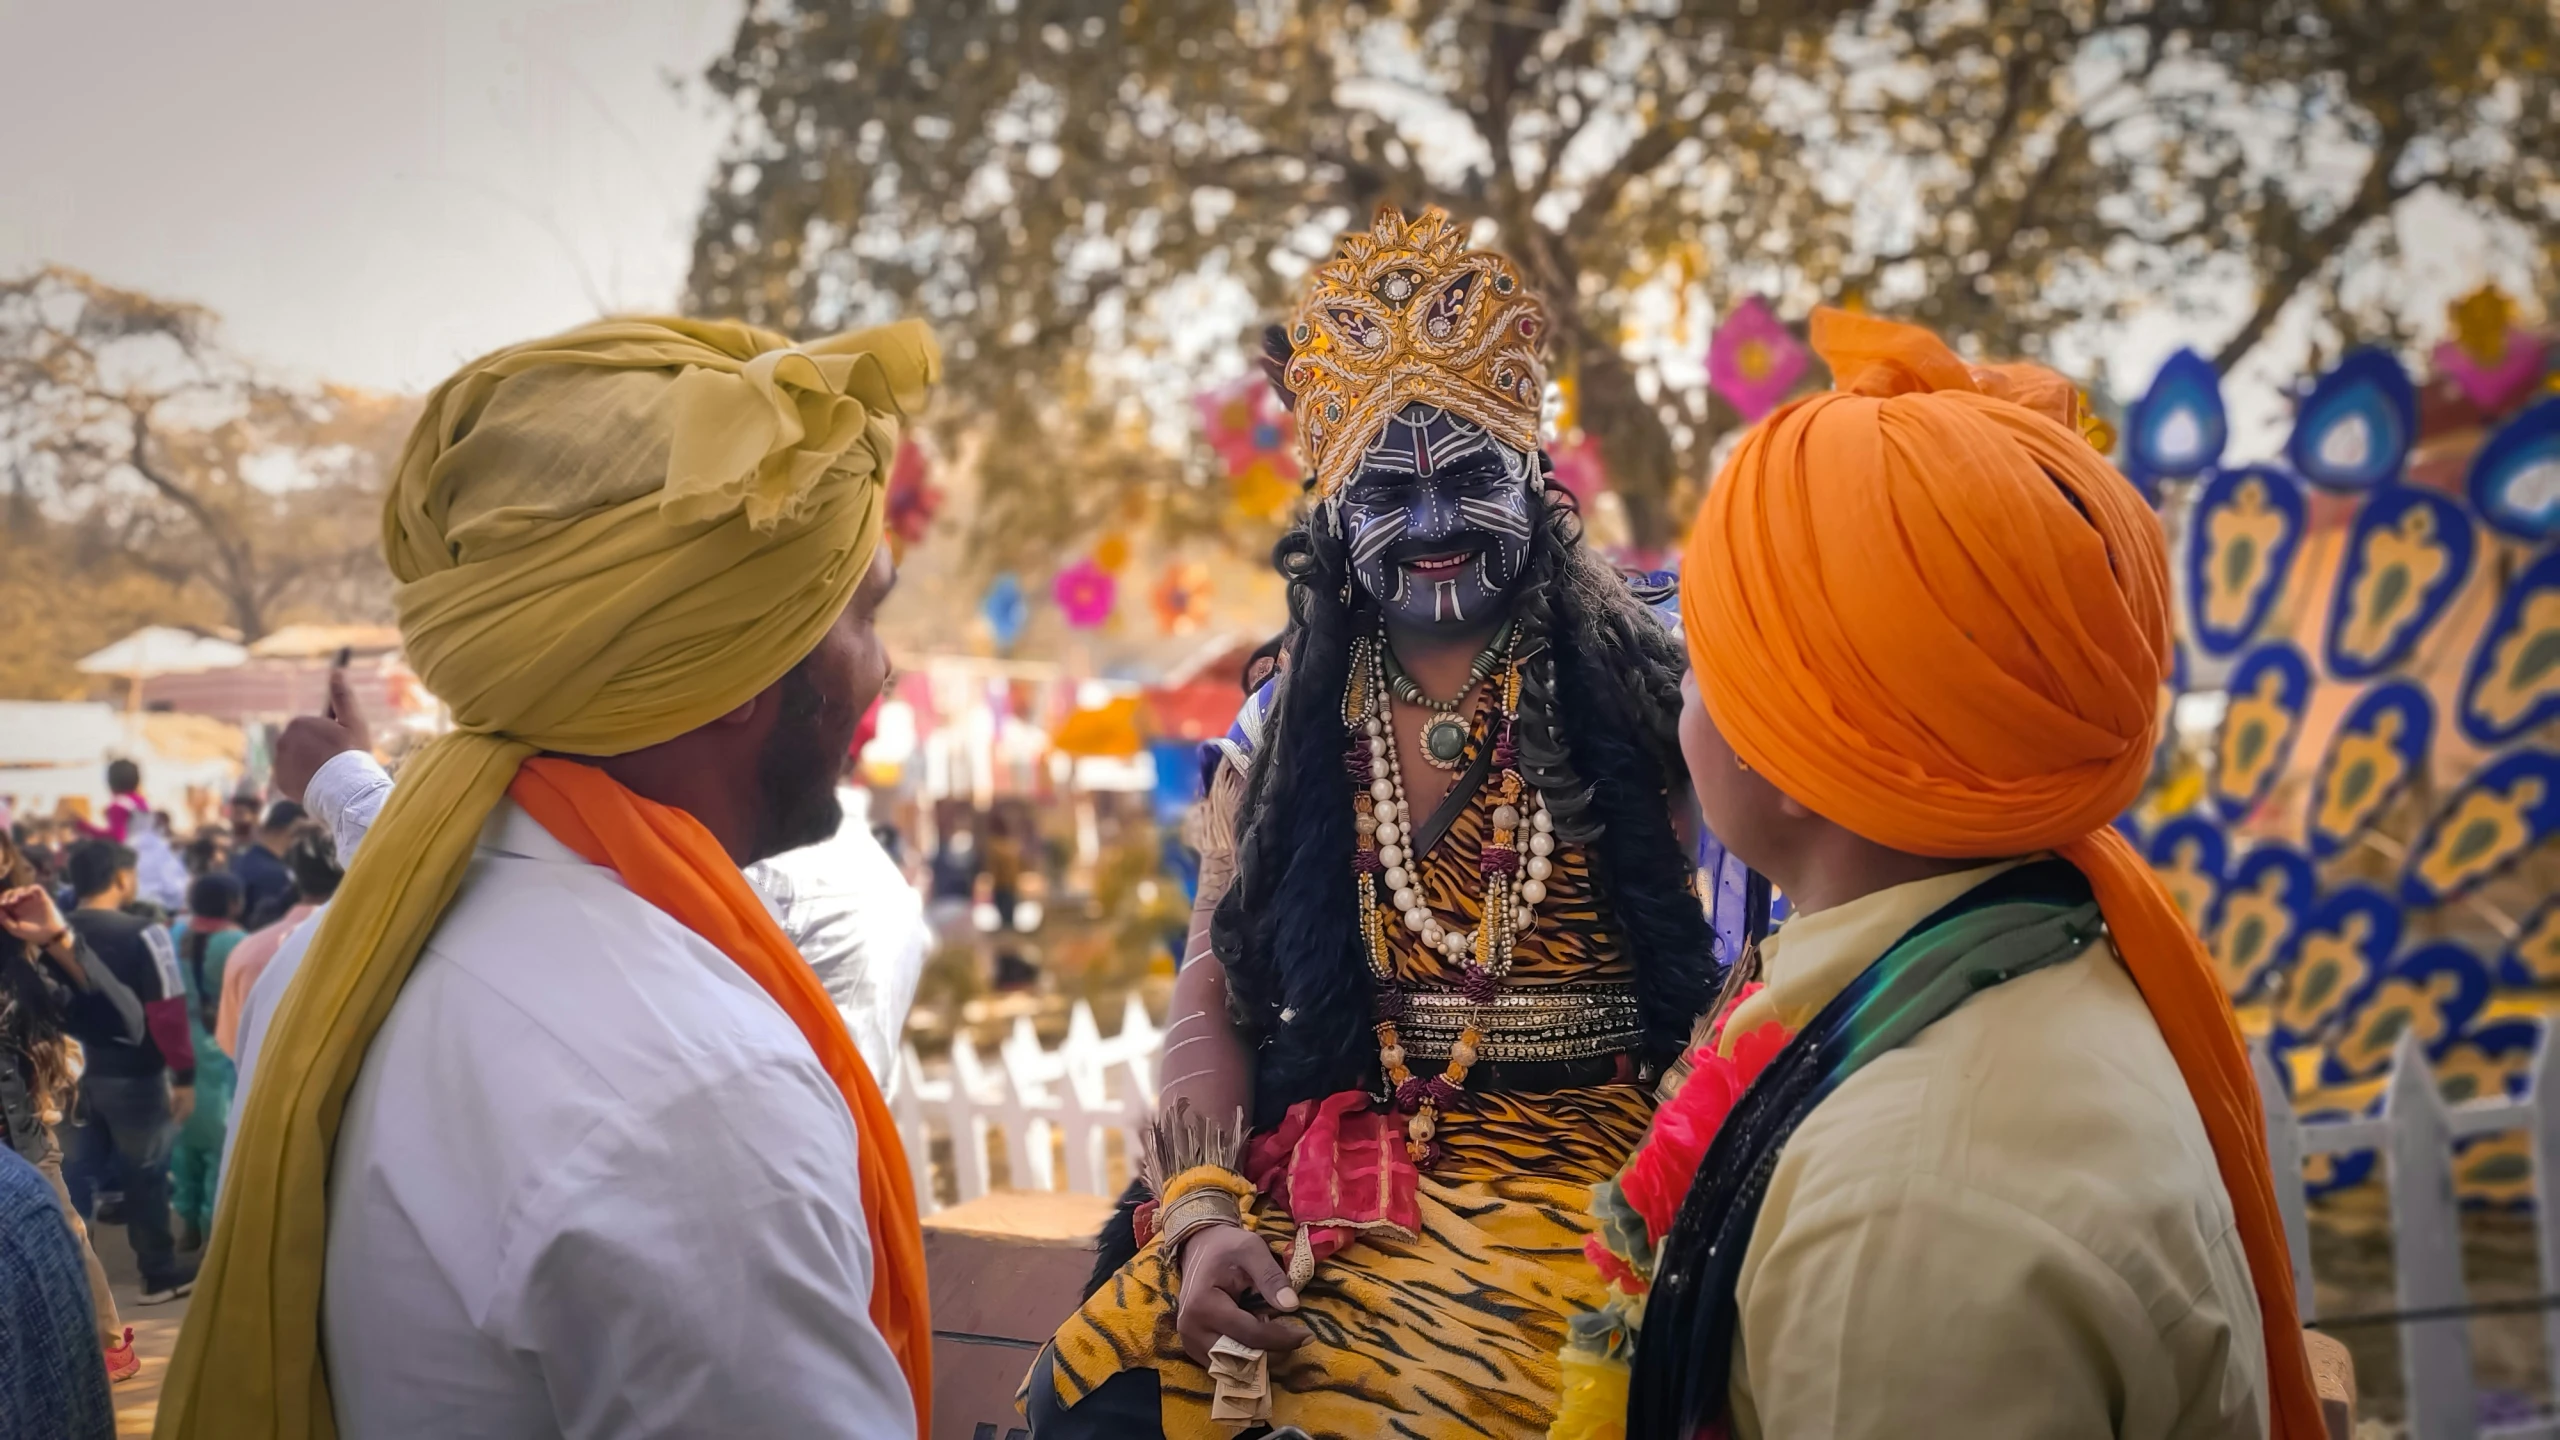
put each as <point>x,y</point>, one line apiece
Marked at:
<point>120,986</point>
<point>1495,1103</point>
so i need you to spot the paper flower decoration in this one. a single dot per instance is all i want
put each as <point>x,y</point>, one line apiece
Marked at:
<point>1085,592</point>
<point>1111,552</point>
<point>2493,384</point>
<point>1753,361</point>
<point>1182,597</point>
<point>2488,359</point>
<point>1004,610</point>
<point>913,498</point>
<point>1262,492</point>
<point>1245,423</point>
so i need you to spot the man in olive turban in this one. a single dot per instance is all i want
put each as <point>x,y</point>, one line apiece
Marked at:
<point>553,1131</point>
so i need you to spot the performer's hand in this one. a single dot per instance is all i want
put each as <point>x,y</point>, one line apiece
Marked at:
<point>1219,1265</point>
<point>311,741</point>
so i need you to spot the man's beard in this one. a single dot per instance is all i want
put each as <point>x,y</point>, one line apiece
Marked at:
<point>796,774</point>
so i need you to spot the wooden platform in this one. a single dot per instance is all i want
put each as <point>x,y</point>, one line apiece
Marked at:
<point>1005,1268</point>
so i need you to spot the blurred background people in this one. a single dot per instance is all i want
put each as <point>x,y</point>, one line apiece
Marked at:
<point>136,1090</point>
<point>45,972</point>
<point>267,887</point>
<point>205,940</point>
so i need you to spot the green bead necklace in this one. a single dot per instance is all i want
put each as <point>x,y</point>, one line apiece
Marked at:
<point>1444,733</point>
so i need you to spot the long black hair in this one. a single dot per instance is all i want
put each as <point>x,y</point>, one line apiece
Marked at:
<point>32,1032</point>
<point>1598,738</point>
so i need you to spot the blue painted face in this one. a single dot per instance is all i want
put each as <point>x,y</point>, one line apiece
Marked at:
<point>1438,520</point>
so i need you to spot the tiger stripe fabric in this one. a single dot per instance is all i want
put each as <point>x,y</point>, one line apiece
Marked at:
<point>1454,1333</point>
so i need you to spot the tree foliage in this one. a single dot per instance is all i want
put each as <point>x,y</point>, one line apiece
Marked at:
<point>65,592</point>
<point>1066,186</point>
<point>128,430</point>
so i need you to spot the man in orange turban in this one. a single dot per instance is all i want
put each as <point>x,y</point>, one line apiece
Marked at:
<point>2008,1175</point>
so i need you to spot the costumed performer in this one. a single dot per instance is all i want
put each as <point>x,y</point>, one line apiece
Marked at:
<point>1456,942</point>
<point>569,1131</point>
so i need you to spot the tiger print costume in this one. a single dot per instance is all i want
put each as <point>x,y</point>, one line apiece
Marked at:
<point>1455,1332</point>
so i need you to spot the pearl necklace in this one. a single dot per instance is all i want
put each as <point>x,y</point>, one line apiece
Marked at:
<point>1382,861</point>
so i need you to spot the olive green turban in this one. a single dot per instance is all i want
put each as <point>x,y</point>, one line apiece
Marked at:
<point>603,540</point>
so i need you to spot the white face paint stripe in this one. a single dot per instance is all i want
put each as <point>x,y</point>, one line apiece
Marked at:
<point>1375,536</point>
<point>1494,515</point>
<point>1424,439</point>
<point>1445,604</point>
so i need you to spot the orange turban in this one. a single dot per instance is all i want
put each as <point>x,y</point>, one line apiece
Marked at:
<point>1923,606</point>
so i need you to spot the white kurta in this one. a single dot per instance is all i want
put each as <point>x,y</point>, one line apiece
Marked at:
<point>593,1181</point>
<point>852,916</point>
<point>859,924</point>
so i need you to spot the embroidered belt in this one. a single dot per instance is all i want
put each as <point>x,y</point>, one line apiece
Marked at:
<point>1564,1022</point>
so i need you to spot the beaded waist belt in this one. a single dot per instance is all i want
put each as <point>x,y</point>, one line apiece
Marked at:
<point>1564,1022</point>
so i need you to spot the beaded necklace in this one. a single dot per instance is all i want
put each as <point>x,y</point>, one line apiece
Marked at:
<point>1389,883</point>
<point>1443,733</point>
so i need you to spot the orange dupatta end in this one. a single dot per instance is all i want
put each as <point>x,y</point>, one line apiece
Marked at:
<point>667,858</point>
<point>1924,607</point>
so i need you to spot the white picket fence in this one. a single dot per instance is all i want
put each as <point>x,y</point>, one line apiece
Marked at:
<point>2415,1135</point>
<point>1087,1090</point>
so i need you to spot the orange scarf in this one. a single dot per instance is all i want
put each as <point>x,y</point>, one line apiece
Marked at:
<point>1924,607</point>
<point>667,858</point>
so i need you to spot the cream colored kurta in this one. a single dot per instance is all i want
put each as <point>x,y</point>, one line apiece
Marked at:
<point>2012,1226</point>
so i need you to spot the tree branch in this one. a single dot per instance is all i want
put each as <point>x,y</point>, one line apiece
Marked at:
<point>2374,199</point>
<point>1515,35</point>
<point>1576,54</point>
<point>1638,160</point>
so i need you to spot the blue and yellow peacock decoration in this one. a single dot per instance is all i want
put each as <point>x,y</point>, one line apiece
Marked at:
<point>2359,804</point>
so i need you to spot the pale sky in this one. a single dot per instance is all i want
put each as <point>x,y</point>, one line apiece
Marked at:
<point>367,191</point>
<point>373,192</point>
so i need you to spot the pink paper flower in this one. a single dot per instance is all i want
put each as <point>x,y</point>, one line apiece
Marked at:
<point>1753,361</point>
<point>2493,384</point>
<point>1086,592</point>
<point>1245,423</point>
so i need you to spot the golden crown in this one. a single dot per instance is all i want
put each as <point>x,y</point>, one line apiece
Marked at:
<point>1404,312</point>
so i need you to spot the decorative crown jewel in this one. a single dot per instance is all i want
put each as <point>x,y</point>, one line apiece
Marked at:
<point>1404,312</point>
